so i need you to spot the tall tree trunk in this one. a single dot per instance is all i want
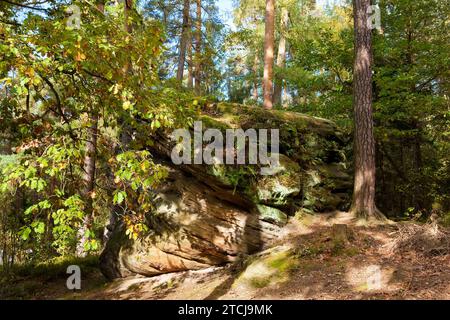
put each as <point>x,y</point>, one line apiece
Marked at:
<point>89,176</point>
<point>198,48</point>
<point>183,41</point>
<point>363,205</point>
<point>164,12</point>
<point>418,195</point>
<point>125,134</point>
<point>255,75</point>
<point>285,97</point>
<point>255,63</point>
<point>190,83</point>
<point>228,79</point>
<point>281,57</point>
<point>126,13</point>
<point>268,54</point>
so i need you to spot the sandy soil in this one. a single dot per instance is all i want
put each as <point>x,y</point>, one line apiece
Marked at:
<point>310,261</point>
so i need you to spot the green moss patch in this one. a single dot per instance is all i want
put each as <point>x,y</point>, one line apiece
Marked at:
<point>271,269</point>
<point>272,214</point>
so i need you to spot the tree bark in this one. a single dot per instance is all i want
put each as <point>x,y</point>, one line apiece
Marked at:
<point>285,96</point>
<point>89,185</point>
<point>418,195</point>
<point>363,205</point>
<point>256,62</point>
<point>281,57</point>
<point>255,75</point>
<point>268,54</point>
<point>125,134</point>
<point>89,176</point>
<point>198,48</point>
<point>190,83</point>
<point>183,41</point>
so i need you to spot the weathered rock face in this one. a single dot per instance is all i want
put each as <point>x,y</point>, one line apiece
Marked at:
<point>213,214</point>
<point>194,227</point>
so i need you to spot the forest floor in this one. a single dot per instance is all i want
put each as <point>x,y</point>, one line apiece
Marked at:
<point>326,256</point>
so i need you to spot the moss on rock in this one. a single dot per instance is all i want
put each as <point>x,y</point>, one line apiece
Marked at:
<point>222,211</point>
<point>271,214</point>
<point>272,267</point>
<point>312,171</point>
<point>279,188</point>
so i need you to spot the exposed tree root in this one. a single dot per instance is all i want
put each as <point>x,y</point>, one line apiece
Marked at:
<point>368,216</point>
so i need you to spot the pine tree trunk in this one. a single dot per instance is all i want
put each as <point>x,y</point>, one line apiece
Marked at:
<point>190,83</point>
<point>363,205</point>
<point>255,75</point>
<point>255,64</point>
<point>281,57</point>
<point>268,54</point>
<point>418,195</point>
<point>198,48</point>
<point>183,41</point>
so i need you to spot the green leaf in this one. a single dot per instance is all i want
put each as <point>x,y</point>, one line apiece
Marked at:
<point>24,233</point>
<point>38,226</point>
<point>119,197</point>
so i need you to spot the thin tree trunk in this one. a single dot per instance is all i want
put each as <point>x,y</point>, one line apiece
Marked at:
<point>255,64</point>
<point>268,54</point>
<point>363,205</point>
<point>190,83</point>
<point>125,134</point>
<point>165,13</point>
<point>128,28</point>
<point>255,75</point>
<point>285,97</point>
<point>89,176</point>
<point>183,41</point>
<point>89,183</point>
<point>418,195</point>
<point>228,77</point>
<point>198,48</point>
<point>281,57</point>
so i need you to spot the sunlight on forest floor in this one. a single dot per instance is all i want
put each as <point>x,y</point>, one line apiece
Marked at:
<point>318,257</point>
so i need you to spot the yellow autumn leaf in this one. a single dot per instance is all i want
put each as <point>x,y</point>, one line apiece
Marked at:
<point>80,56</point>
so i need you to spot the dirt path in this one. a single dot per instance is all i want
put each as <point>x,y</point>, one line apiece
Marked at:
<point>318,257</point>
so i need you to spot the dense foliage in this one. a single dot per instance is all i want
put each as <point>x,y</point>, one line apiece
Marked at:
<point>410,88</point>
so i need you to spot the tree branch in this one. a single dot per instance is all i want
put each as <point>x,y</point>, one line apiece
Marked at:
<point>98,76</point>
<point>12,23</point>
<point>59,105</point>
<point>24,6</point>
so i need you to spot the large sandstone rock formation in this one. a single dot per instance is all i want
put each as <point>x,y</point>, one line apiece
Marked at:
<point>213,214</point>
